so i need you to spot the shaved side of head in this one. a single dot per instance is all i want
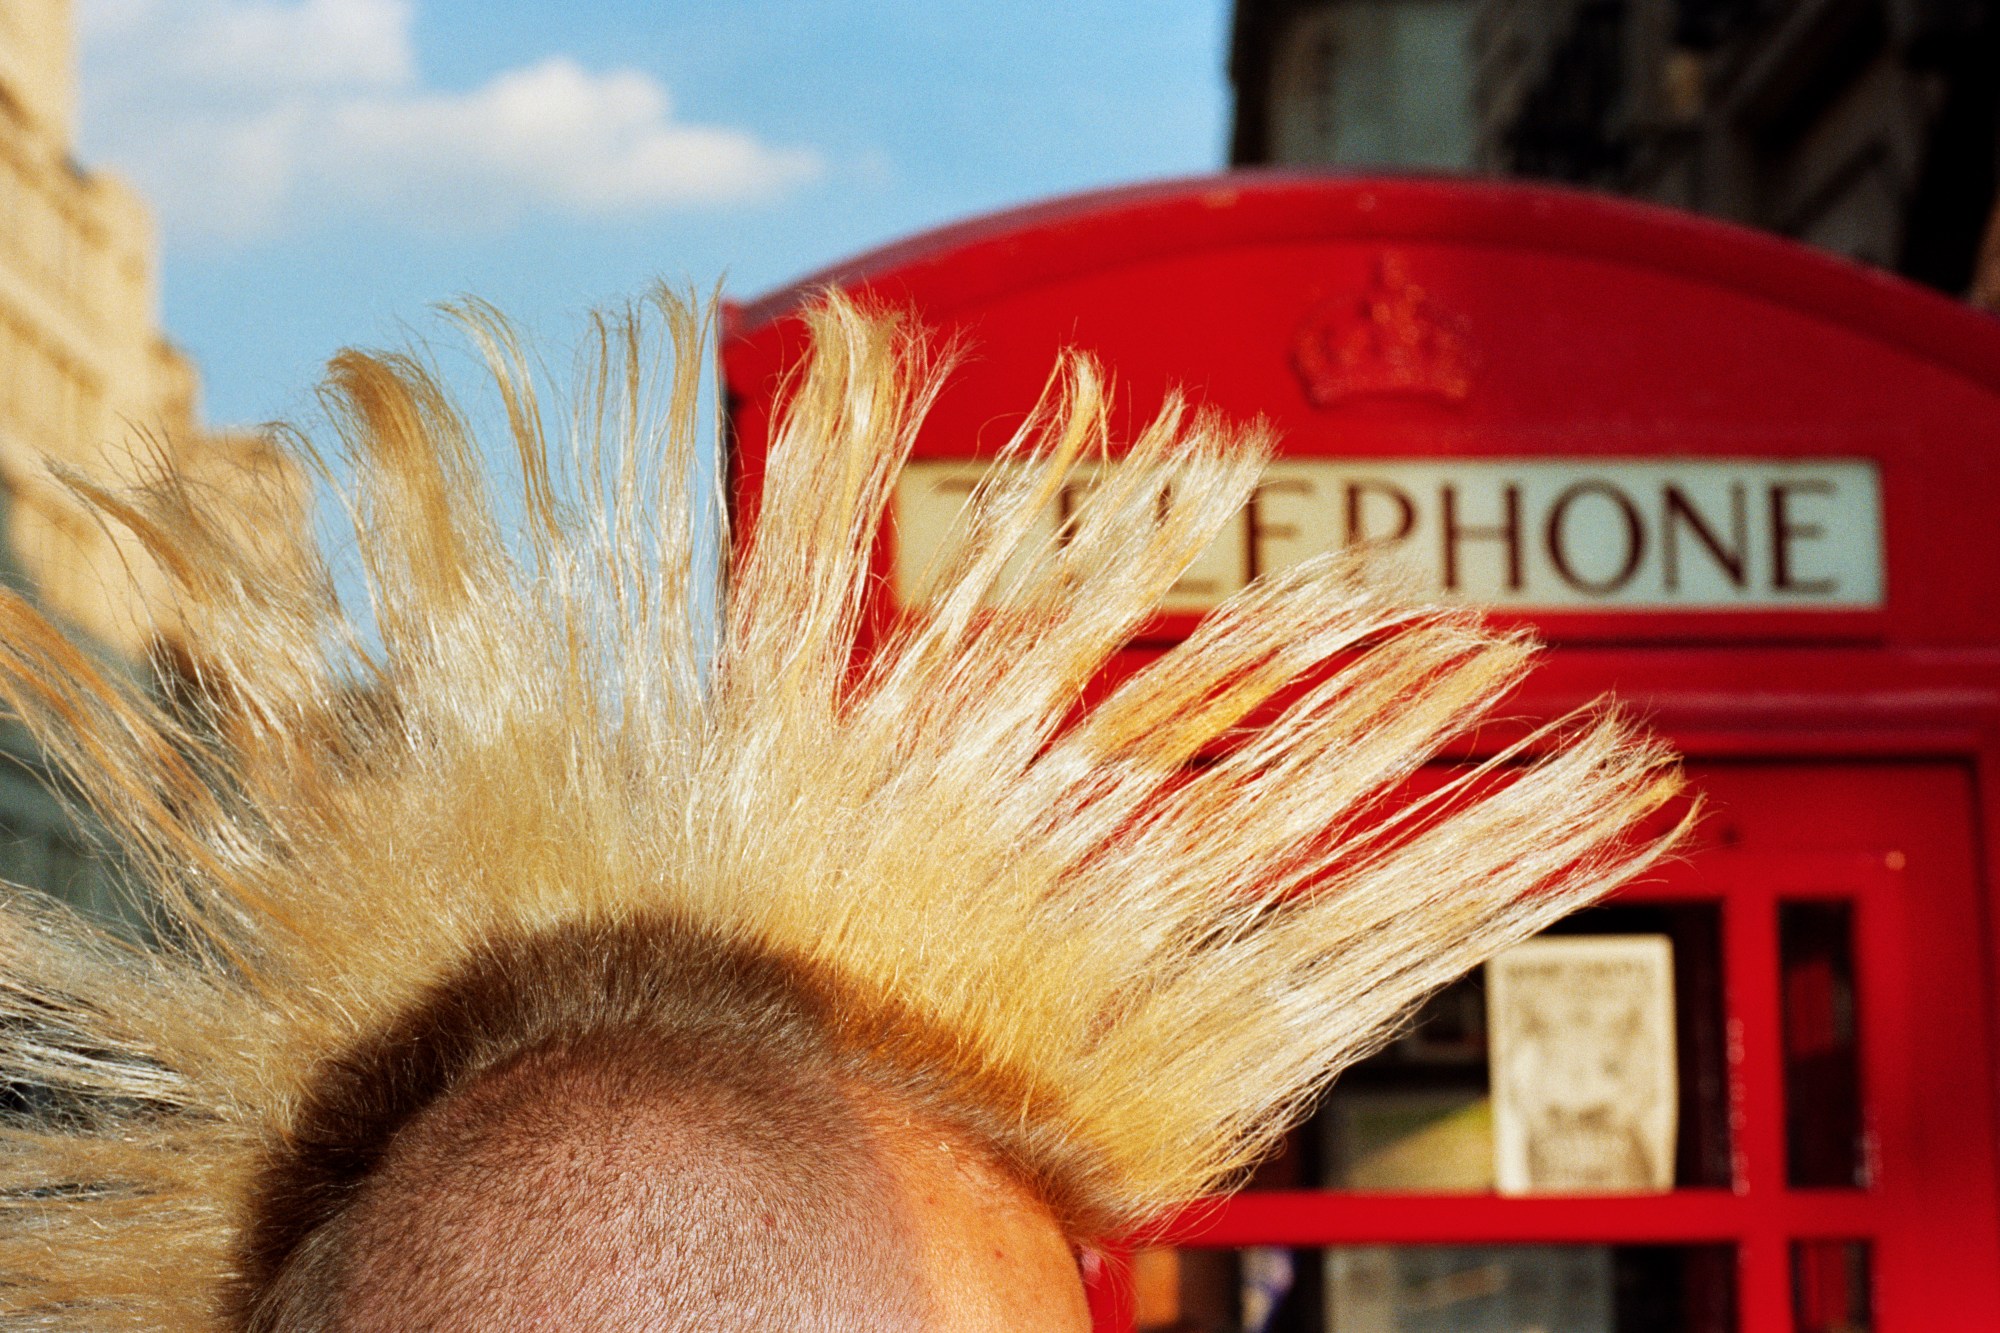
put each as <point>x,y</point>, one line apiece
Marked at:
<point>587,1188</point>
<point>639,1128</point>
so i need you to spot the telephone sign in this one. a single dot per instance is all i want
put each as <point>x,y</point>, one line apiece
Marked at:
<point>1623,534</point>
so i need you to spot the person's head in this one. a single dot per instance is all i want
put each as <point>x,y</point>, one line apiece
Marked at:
<point>531,958</point>
<point>644,1127</point>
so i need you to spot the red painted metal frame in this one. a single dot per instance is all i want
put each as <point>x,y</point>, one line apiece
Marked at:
<point>972,262</point>
<point>1607,329</point>
<point>1760,1215</point>
<point>1901,1214</point>
<point>1574,289</point>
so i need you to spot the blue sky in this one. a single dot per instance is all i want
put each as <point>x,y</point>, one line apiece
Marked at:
<point>326,169</point>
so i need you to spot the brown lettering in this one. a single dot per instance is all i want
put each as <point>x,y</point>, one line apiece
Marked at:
<point>1635,538</point>
<point>1508,530</point>
<point>1679,510</point>
<point>1070,498</point>
<point>1255,529</point>
<point>1204,589</point>
<point>1406,512</point>
<point>1784,529</point>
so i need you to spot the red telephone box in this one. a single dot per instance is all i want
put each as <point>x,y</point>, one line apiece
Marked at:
<point>1753,490</point>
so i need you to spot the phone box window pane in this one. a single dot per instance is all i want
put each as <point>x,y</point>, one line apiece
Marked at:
<point>1824,1143</point>
<point>1437,1289</point>
<point>1417,1117</point>
<point>1831,1288</point>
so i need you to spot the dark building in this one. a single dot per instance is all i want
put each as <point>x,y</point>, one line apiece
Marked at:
<point>1365,83</point>
<point>1869,127</point>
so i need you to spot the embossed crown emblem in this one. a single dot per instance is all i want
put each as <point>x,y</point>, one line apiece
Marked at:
<point>1394,338</point>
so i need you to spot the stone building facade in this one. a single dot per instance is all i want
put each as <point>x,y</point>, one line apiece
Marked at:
<point>82,357</point>
<point>1868,127</point>
<point>86,374</point>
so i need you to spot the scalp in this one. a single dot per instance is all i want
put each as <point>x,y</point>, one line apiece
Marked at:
<point>611,1126</point>
<point>609,1184</point>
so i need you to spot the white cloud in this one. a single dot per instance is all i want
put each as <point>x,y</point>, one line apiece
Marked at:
<point>600,143</point>
<point>241,118</point>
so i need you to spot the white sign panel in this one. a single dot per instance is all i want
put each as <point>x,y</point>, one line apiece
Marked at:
<point>1552,534</point>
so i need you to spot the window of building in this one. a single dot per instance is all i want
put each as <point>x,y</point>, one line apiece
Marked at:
<point>1377,83</point>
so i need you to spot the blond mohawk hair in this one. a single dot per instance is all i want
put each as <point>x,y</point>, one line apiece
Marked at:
<point>1129,942</point>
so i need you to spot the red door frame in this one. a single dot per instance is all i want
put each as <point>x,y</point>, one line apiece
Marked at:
<point>1600,328</point>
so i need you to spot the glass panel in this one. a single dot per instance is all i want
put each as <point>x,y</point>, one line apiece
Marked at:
<point>1824,1143</point>
<point>1437,1289</point>
<point>1702,1152</point>
<point>1376,82</point>
<point>1418,1116</point>
<point>1831,1292</point>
